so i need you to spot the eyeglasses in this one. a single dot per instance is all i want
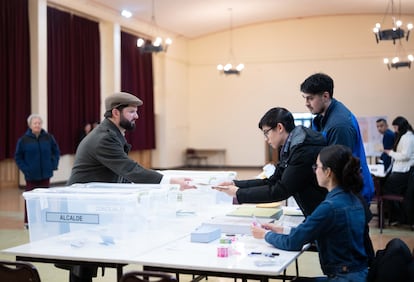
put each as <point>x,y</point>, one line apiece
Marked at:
<point>266,132</point>
<point>315,167</point>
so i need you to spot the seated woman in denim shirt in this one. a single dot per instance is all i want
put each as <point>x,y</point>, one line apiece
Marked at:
<point>337,224</point>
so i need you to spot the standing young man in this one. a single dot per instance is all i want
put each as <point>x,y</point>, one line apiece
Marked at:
<point>336,122</point>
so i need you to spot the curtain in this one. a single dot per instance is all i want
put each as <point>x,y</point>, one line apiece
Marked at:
<point>137,79</point>
<point>73,76</point>
<point>14,73</point>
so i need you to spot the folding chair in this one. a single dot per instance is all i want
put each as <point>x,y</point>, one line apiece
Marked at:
<point>18,271</point>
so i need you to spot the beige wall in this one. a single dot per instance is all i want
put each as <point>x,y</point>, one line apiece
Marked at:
<point>197,107</point>
<point>224,111</point>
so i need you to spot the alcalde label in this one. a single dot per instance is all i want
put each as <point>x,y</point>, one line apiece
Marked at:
<point>82,218</point>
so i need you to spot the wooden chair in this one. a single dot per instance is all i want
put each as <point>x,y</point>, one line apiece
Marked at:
<point>409,196</point>
<point>147,276</point>
<point>381,199</point>
<point>18,271</point>
<point>191,156</point>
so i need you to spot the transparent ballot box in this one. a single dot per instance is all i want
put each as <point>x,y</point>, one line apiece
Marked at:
<point>115,210</point>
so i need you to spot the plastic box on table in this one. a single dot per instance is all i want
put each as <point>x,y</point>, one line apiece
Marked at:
<point>115,212</point>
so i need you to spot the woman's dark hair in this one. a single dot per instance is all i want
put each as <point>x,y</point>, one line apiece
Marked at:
<point>278,115</point>
<point>344,165</point>
<point>403,127</point>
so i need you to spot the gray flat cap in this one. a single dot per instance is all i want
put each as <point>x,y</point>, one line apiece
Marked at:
<point>121,98</point>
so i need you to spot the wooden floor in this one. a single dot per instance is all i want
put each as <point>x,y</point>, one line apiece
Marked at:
<point>12,233</point>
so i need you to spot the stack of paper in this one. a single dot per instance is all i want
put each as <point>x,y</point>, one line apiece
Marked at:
<point>249,211</point>
<point>233,224</point>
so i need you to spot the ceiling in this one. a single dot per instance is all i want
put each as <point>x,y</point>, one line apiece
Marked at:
<point>195,18</point>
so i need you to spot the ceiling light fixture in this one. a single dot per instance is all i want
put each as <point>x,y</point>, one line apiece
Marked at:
<point>397,61</point>
<point>158,44</point>
<point>228,68</point>
<point>396,32</point>
<point>126,14</point>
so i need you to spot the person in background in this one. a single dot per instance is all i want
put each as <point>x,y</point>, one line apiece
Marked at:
<point>402,154</point>
<point>336,122</point>
<point>85,131</point>
<point>102,156</point>
<point>337,224</point>
<point>95,124</point>
<point>388,138</point>
<point>37,156</point>
<point>299,146</point>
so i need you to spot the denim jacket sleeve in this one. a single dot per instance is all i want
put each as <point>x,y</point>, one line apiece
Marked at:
<point>307,232</point>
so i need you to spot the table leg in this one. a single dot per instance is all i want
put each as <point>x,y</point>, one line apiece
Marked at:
<point>119,272</point>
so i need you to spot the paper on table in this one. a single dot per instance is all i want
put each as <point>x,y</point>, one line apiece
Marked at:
<point>292,211</point>
<point>268,205</point>
<point>234,224</point>
<point>249,211</point>
<point>290,221</point>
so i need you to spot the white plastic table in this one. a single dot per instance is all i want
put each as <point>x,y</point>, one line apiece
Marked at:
<point>164,245</point>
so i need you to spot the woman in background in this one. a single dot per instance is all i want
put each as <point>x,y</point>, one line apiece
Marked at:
<point>337,224</point>
<point>37,156</point>
<point>402,155</point>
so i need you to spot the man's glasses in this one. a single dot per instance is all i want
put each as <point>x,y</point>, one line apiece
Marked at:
<point>266,132</point>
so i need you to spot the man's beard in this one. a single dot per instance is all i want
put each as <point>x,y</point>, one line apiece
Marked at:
<point>126,124</point>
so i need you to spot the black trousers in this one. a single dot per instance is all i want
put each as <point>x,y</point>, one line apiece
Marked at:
<point>397,183</point>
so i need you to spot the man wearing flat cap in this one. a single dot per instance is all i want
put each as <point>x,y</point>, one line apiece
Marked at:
<point>102,156</point>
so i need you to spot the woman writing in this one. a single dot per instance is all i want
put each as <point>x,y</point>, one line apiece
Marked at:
<point>337,224</point>
<point>402,155</point>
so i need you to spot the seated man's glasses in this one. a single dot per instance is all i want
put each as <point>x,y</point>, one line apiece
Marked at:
<point>266,132</point>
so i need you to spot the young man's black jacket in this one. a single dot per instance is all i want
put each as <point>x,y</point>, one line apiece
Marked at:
<point>293,176</point>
